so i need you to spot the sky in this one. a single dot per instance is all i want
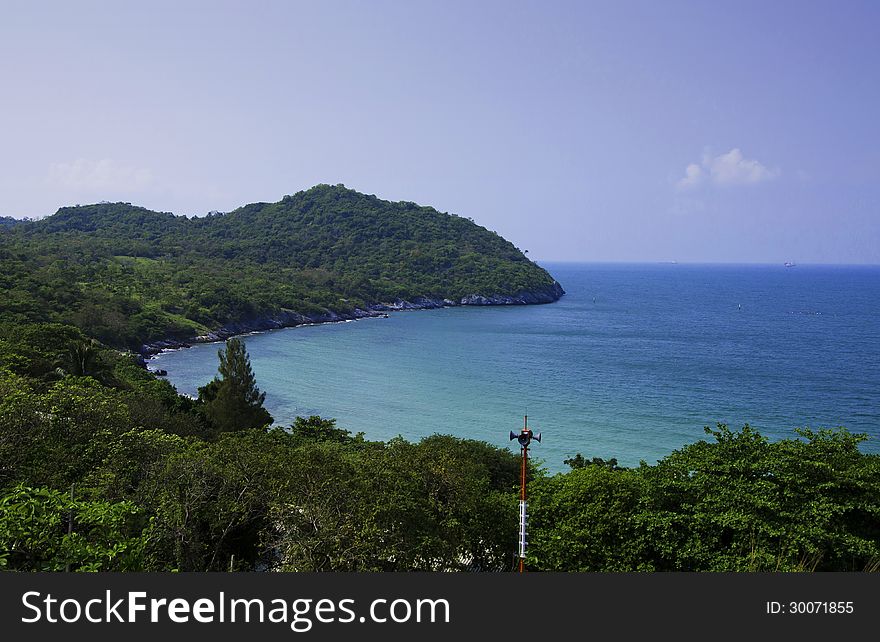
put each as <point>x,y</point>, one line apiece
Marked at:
<point>581,131</point>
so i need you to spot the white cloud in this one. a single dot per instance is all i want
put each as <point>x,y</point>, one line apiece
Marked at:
<point>693,176</point>
<point>104,175</point>
<point>726,169</point>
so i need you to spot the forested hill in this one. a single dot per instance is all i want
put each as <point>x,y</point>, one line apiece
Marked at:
<point>127,275</point>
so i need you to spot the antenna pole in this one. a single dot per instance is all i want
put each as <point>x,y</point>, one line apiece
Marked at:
<point>69,526</point>
<point>524,438</point>
<point>523,504</point>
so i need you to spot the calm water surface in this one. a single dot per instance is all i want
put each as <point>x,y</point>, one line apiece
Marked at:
<point>631,363</point>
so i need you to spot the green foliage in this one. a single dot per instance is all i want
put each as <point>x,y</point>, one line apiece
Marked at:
<point>579,461</point>
<point>740,503</point>
<point>53,438</point>
<point>82,357</point>
<point>45,530</point>
<point>37,350</point>
<point>55,428</point>
<point>441,504</point>
<point>319,429</point>
<point>126,275</point>
<point>233,401</point>
<point>211,502</point>
<point>8,221</point>
<point>587,520</point>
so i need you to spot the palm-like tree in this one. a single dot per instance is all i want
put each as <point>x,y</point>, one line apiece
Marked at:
<point>81,359</point>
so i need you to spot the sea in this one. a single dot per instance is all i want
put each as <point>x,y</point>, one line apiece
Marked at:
<point>632,363</point>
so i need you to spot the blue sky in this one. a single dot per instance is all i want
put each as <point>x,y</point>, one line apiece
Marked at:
<point>597,131</point>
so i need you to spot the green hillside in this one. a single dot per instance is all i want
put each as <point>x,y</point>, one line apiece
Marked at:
<point>127,275</point>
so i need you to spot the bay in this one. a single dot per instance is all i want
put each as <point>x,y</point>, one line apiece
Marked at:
<point>631,363</point>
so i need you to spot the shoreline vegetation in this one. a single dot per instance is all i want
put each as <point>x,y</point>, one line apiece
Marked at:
<point>372,311</point>
<point>105,467</point>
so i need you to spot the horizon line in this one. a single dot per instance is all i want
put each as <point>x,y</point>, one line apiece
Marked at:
<point>696,263</point>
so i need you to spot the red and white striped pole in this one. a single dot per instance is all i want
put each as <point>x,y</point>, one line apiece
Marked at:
<point>524,438</point>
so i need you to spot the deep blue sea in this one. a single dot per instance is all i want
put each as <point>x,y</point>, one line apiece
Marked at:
<point>631,363</point>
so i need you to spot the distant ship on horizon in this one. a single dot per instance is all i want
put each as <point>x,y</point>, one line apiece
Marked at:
<point>790,264</point>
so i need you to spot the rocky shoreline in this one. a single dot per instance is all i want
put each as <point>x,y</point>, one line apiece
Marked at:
<point>290,319</point>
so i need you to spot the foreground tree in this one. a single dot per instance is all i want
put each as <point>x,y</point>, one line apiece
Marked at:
<point>738,503</point>
<point>442,504</point>
<point>45,530</point>
<point>233,401</point>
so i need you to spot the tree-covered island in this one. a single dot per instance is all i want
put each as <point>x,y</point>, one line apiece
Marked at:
<point>128,276</point>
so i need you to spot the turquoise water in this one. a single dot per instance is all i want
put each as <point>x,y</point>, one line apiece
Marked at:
<point>631,363</point>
